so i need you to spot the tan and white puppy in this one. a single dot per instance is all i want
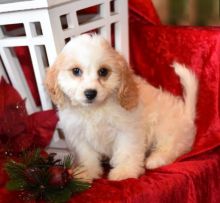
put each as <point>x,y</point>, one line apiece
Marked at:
<point>106,110</point>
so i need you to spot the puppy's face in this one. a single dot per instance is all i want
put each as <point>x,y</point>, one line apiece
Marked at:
<point>87,72</point>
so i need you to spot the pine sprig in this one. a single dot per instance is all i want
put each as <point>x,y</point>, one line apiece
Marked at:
<point>15,171</point>
<point>44,178</point>
<point>32,157</point>
<point>67,161</point>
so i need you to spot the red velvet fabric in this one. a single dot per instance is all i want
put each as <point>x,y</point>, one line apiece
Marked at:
<point>144,11</point>
<point>193,178</point>
<point>199,48</point>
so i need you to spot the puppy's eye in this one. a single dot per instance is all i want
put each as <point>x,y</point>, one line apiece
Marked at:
<point>77,72</point>
<point>103,72</point>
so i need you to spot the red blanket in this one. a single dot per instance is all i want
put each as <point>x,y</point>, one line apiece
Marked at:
<point>195,176</point>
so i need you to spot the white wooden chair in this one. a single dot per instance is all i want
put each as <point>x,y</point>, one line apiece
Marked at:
<point>44,27</point>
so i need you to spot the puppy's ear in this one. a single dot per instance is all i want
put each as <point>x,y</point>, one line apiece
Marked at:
<point>128,91</point>
<point>51,83</point>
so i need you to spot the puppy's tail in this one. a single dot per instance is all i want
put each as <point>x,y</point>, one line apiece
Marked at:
<point>189,82</point>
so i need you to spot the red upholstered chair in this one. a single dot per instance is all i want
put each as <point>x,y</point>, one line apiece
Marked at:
<point>194,177</point>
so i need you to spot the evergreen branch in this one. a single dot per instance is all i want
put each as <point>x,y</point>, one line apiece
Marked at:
<point>78,185</point>
<point>14,169</point>
<point>18,184</point>
<point>33,158</point>
<point>44,178</point>
<point>68,161</point>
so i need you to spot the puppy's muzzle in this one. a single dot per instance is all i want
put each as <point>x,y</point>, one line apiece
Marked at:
<point>90,94</point>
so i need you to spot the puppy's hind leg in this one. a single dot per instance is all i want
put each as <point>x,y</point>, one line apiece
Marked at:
<point>167,152</point>
<point>158,158</point>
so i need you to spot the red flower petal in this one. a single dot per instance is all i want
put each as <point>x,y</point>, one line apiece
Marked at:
<point>8,95</point>
<point>43,124</point>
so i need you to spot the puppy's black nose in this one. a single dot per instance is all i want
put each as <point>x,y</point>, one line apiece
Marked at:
<point>90,94</point>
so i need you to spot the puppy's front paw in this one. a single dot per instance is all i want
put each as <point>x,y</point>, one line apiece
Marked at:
<point>122,173</point>
<point>88,175</point>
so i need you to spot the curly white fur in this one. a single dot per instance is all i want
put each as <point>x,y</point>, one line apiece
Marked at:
<point>122,126</point>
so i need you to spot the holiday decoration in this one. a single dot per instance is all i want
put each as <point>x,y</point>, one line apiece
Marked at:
<point>32,173</point>
<point>18,130</point>
<point>43,178</point>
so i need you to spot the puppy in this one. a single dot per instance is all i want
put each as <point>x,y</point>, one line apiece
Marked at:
<point>106,110</point>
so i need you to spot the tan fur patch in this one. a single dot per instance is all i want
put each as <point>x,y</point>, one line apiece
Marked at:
<point>52,85</point>
<point>128,91</point>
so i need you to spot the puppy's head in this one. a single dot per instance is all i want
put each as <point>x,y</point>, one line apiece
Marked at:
<point>89,71</point>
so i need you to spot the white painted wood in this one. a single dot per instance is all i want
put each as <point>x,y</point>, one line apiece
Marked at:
<point>47,13</point>
<point>105,13</point>
<point>52,35</point>
<point>2,72</point>
<point>39,70</point>
<point>16,5</point>
<point>121,28</point>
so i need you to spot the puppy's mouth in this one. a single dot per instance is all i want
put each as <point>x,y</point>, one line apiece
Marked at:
<point>93,102</point>
<point>89,101</point>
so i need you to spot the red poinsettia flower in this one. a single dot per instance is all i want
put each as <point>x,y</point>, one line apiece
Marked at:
<point>18,130</point>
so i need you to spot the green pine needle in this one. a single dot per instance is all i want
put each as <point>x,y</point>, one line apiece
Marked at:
<point>78,186</point>
<point>14,169</point>
<point>18,184</point>
<point>68,161</point>
<point>16,173</point>
<point>33,158</point>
